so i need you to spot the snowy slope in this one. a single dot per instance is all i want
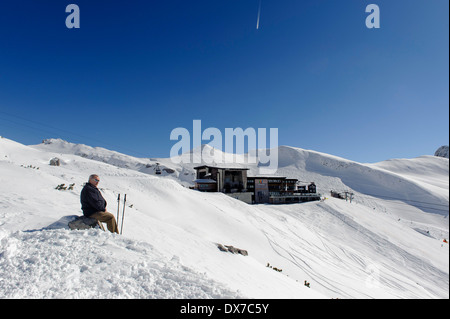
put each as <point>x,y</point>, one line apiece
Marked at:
<point>375,247</point>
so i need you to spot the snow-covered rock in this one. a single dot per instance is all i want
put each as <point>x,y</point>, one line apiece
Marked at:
<point>82,223</point>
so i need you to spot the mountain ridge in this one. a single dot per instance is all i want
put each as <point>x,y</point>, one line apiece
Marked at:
<point>379,179</point>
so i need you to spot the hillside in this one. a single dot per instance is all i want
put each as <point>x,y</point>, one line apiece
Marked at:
<point>387,243</point>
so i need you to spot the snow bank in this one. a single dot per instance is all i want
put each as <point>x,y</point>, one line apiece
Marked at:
<point>95,264</point>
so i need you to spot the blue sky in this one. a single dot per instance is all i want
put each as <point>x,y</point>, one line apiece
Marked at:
<point>136,70</point>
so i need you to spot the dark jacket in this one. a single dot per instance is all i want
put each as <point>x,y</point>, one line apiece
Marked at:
<point>92,200</point>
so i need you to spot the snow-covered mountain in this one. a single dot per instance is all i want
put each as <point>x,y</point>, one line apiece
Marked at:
<point>387,243</point>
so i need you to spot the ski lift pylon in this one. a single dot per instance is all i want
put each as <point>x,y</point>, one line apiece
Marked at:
<point>157,169</point>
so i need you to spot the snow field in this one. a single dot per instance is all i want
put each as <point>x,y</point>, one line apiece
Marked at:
<point>371,248</point>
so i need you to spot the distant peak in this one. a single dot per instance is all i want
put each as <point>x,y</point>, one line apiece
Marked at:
<point>54,141</point>
<point>442,151</point>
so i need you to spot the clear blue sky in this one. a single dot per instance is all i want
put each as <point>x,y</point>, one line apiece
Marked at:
<point>136,70</point>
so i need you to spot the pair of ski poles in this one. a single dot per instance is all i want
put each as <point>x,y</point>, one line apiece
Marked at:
<point>123,212</point>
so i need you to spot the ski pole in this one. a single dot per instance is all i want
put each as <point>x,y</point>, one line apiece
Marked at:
<point>123,213</point>
<point>118,206</point>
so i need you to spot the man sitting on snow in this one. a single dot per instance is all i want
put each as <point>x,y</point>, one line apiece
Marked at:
<point>94,205</point>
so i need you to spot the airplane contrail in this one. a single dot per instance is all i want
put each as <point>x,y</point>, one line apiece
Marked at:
<point>259,15</point>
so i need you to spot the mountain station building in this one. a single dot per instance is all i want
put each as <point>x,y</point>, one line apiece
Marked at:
<point>234,182</point>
